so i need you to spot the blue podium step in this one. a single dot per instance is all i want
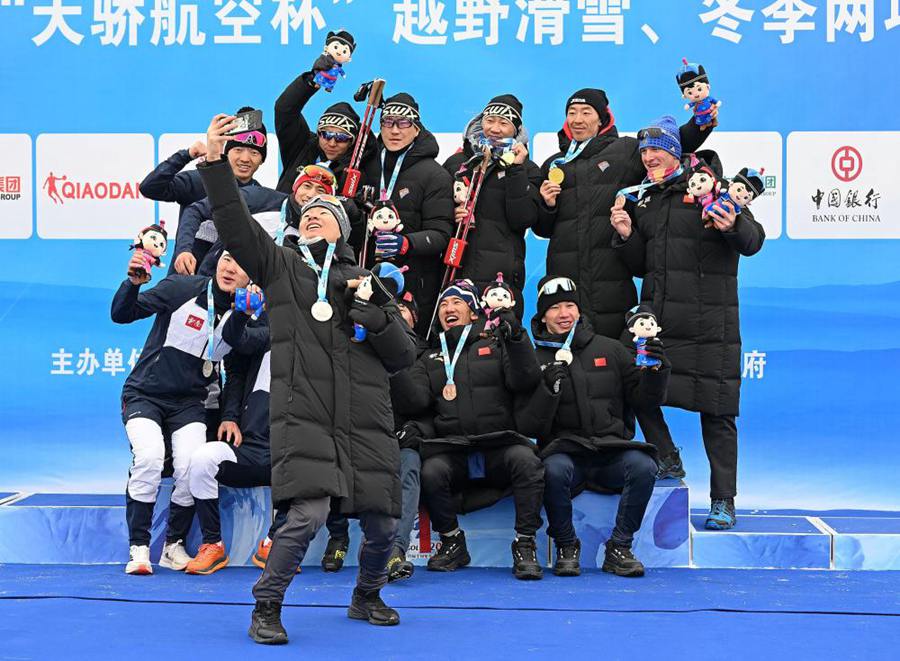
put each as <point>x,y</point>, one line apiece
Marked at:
<point>761,542</point>
<point>90,529</point>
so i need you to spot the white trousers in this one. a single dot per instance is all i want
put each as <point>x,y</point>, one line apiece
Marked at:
<point>204,467</point>
<point>148,451</point>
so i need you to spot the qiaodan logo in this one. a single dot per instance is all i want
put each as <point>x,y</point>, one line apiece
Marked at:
<point>61,188</point>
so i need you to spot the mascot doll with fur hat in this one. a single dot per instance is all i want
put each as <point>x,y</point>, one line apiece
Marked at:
<point>642,324</point>
<point>694,85</point>
<point>339,46</point>
<point>746,186</point>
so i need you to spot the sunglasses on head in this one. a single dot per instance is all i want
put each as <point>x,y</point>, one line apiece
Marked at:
<point>555,285</point>
<point>396,122</point>
<point>254,138</point>
<point>319,173</point>
<point>337,136</point>
<point>652,132</point>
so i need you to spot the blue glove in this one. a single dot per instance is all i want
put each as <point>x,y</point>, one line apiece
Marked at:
<point>389,245</point>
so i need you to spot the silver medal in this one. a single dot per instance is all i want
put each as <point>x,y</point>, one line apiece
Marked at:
<point>322,311</point>
<point>207,368</point>
<point>564,356</point>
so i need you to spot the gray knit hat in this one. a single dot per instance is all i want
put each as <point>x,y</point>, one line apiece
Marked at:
<point>332,204</point>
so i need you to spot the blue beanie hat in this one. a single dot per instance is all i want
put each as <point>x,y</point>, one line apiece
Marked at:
<point>465,290</point>
<point>663,134</point>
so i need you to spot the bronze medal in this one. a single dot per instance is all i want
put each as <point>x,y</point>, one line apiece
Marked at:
<point>450,392</point>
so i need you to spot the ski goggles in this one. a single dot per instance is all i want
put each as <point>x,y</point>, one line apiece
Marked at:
<point>556,285</point>
<point>338,136</point>
<point>651,132</point>
<point>396,122</point>
<point>250,138</point>
<point>318,174</point>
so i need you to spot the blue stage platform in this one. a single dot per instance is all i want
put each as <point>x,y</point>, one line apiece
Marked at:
<point>98,612</point>
<point>90,529</point>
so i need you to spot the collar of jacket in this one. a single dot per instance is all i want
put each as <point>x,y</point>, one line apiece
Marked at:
<point>583,333</point>
<point>454,334</point>
<point>221,300</point>
<point>424,147</point>
<point>599,143</point>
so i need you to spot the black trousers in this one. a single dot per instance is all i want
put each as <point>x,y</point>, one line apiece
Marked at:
<point>719,439</point>
<point>446,474</point>
<point>304,518</point>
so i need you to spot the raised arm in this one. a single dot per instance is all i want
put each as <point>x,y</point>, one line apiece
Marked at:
<point>167,182</point>
<point>131,304</point>
<point>291,126</point>
<point>243,237</point>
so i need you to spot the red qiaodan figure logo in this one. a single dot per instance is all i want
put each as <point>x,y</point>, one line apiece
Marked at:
<point>846,163</point>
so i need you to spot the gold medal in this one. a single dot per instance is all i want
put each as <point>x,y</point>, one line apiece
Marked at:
<point>449,392</point>
<point>508,157</point>
<point>556,175</point>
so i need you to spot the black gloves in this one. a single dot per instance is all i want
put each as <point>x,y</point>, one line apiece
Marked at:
<point>368,315</point>
<point>510,328</point>
<point>366,197</point>
<point>656,350</point>
<point>554,374</point>
<point>409,436</point>
<point>323,63</point>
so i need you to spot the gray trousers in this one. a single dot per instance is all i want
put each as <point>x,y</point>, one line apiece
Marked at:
<point>304,519</point>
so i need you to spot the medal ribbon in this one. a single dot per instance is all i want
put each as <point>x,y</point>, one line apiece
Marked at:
<point>386,192</point>
<point>321,273</point>
<point>559,345</point>
<point>642,187</point>
<point>210,322</point>
<point>572,153</point>
<point>450,366</point>
<point>282,225</point>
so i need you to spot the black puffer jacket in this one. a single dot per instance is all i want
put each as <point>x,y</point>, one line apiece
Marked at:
<point>332,431</point>
<point>690,281</point>
<point>489,376</point>
<point>589,413</point>
<point>507,206</point>
<point>298,142</point>
<point>423,196</point>
<point>579,228</point>
<point>410,431</point>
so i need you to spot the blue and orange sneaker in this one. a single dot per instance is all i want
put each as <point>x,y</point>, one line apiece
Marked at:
<point>721,514</point>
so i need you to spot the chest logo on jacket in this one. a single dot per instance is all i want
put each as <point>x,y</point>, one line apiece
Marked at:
<point>644,200</point>
<point>600,362</point>
<point>436,357</point>
<point>603,165</point>
<point>194,322</point>
<point>484,351</point>
<point>403,192</point>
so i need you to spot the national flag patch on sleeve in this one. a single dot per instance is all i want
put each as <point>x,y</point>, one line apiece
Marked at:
<point>600,362</point>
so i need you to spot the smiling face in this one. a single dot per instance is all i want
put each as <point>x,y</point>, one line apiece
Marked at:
<point>645,327</point>
<point>154,242</point>
<point>700,184</point>
<point>244,161</point>
<point>498,298</point>
<point>307,191</point>
<point>331,147</point>
<point>658,160</point>
<point>407,314</point>
<point>494,126</point>
<point>460,192</point>
<point>583,121</point>
<point>384,219</point>
<point>229,274</point>
<point>453,311</point>
<point>319,222</point>
<point>696,91</point>
<point>338,50</point>
<point>740,193</point>
<point>560,318</point>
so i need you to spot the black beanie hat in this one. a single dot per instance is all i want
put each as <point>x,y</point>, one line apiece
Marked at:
<point>564,290</point>
<point>342,115</point>
<point>638,312</point>
<point>402,105</point>
<point>595,98</point>
<point>506,106</point>
<point>690,73</point>
<point>250,140</point>
<point>753,180</point>
<point>344,37</point>
<point>409,301</point>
